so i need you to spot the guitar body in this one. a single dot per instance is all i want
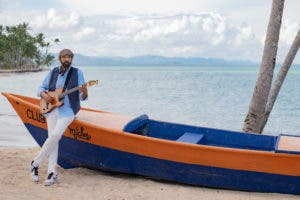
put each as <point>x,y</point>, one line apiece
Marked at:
<point>46,107</point>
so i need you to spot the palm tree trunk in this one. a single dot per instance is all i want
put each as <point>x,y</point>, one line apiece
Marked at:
<point>263,84</point>
<point>280,78</point>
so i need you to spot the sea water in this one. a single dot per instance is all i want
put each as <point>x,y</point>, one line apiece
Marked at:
<point>214,96</point>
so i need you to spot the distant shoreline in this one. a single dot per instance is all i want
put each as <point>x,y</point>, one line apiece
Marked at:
<point>22,70</point>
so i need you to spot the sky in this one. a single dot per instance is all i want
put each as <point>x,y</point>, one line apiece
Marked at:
<point>229,29</point>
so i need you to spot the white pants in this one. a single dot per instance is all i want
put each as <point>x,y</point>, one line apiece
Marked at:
<point>56,128</point>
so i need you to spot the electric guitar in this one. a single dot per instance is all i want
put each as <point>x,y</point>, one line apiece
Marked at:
<point>58,96</point>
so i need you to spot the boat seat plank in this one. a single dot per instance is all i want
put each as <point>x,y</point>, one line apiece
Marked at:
<point>104,119</point>
<point>288,144</point>
<point>188,137</point>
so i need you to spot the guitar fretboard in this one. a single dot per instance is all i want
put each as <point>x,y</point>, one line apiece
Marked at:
<point>89,83</point>
<point>62,95</point>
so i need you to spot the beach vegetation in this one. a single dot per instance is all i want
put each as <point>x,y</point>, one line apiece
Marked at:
<point>21,49</point>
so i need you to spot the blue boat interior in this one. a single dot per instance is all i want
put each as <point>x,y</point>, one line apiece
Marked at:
<point>142,125</point>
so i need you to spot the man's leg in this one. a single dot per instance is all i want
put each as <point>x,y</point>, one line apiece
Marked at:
<point>53,159</point>
<point>51,121</point>
<point>58,131</point>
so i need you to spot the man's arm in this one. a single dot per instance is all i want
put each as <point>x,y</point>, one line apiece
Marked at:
<point>83,94</point>
<point>42,90</point>
<point>45,86</point>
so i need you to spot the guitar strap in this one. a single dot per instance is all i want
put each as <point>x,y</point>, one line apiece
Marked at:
<point>68,79</point>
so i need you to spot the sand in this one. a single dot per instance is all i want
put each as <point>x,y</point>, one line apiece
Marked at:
<point>87,184</point>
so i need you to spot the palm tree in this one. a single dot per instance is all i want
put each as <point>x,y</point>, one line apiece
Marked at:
<point>19,49</point>
<point>256,111</point>
<point>280,78</point>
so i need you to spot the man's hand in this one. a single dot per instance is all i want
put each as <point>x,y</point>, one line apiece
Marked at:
<point>45,96</point>
<point>83,89</point>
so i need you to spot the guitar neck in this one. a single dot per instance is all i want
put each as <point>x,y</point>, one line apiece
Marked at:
<point>65,93</point>
<point>62,95</point>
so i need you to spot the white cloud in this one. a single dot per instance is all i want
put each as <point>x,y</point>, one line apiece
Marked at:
<point>96,7</point>
<point>288,32</point>
<point>57,20</point>
<point>84,33</point>
<point>52,19</point>
<point>245,34</point>
<point>206,34</point>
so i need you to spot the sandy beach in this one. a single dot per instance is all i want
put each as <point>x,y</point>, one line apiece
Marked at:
<point>83,183</point>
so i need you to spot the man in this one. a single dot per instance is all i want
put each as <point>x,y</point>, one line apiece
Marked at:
<point>58,119</point>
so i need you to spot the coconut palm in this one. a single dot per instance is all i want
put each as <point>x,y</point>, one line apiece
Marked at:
<point>257,107</point>
<point>280,78</point>
<point>19,49</point>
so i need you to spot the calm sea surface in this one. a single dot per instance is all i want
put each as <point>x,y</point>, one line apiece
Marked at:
<point>216,97</point>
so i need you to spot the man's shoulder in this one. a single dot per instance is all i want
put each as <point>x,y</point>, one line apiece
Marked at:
<point>75,68</point>
<point>54,69</point>
<point>79,71</point>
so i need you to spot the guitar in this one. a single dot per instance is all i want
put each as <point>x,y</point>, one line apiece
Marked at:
<point>57,97</point>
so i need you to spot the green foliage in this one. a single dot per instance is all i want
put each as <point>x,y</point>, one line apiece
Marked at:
<point>19,49</point>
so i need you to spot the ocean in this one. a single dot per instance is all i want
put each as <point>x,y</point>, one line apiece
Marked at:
<point>216,97</point>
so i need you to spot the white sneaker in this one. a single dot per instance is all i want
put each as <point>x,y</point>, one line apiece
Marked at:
<point>34,172</point>
<point>51,179</point>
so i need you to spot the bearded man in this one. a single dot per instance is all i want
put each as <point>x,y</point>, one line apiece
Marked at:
<point>67,77</point>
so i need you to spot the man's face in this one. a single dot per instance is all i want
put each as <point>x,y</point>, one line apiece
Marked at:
<point>66,61</point>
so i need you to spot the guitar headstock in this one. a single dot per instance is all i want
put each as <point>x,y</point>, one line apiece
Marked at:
<point>92,82</point>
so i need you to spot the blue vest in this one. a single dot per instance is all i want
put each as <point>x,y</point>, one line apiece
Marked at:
<point>74,96</point>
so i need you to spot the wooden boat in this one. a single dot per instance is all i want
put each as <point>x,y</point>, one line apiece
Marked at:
<point>175,152</point>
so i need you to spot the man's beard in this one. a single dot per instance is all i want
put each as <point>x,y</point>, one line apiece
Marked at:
<point>65,64</point>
